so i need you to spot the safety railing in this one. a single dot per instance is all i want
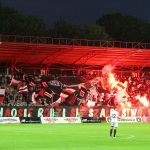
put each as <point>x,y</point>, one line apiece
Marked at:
<point>73,42</point>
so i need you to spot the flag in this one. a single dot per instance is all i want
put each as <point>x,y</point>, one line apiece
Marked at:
<point>34,95</point>
<point>69,91</point>
<point>23,89</point>
<point>32,84</point>
<point>63,96</point>
<point>15,82</point>
<point>45,84</point>
<point>82,92</point>
<point>48,94</point>
<point>2,94</point>
<point>41,92</point>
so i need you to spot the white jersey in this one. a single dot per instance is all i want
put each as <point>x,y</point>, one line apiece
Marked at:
<point>114,116</point>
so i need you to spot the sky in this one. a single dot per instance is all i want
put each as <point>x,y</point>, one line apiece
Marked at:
<point>79,11</point>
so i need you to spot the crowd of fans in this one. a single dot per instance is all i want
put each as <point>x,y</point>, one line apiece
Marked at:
<point>24,89</point>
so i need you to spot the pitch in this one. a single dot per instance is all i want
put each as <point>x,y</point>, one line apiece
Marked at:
<point>91,136</point>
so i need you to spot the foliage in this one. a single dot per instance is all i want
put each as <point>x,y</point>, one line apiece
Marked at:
<point>125,28</point>
<point>108,27</point>
<point>14,23</point>
<point>64,28</point>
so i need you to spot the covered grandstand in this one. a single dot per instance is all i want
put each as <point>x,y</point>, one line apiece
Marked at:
<point>72,53</point>
<point>44,71</point>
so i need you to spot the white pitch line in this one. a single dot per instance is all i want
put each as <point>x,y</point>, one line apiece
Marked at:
<point>130,137</point>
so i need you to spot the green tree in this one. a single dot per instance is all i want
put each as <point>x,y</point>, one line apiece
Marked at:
<point>95,32</point>
<point>125,28</point>
<point>11,22</point>
<point>66,29</point>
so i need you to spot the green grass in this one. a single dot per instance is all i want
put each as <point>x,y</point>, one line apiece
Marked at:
<point>74,137</point>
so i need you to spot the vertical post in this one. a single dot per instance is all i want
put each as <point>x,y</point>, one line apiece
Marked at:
<point>77,112</point>
<point>52,112</point>
<point>64,112</point>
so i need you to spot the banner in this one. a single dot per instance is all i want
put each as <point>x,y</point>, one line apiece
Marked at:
<point>45,120</point>
<point>11,120</point>
<point>127,119</point>
<point>91,120</point>
<point>146,119</point>
<point>30,120</point>
<point>86,112</point>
